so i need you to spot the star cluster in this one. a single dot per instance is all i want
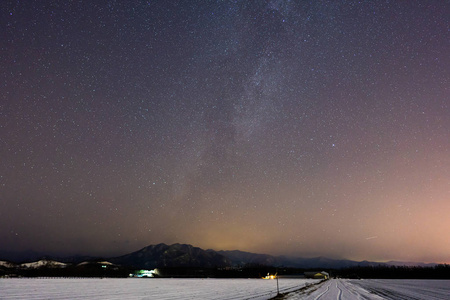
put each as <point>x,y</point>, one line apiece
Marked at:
<point>285,127</point>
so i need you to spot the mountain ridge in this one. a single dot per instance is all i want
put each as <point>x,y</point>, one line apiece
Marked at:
<point>186,255</point>
<point>175,255</point>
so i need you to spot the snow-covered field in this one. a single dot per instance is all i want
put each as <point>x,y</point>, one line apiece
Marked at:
<point>255,289</point>
<point>407,289</point>
<point>376,289</point>
<point>134,288</point>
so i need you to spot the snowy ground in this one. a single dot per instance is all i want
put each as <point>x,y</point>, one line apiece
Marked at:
<point>254,289</point>
<point>407,289</point>
<point>334,289</point>
<point>134,288</point>
<point>337,289</point>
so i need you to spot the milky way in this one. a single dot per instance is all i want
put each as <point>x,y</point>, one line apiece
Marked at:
<point>302,128</point>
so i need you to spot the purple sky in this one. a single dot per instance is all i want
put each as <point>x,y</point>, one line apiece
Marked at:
<point>301,128</point>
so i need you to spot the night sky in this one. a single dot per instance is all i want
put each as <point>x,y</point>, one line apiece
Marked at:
<point>302,128</point>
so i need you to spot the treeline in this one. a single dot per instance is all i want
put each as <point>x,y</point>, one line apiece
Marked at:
<point>229,272</point>
<point>395,272</point>
<point>369,272</point>
<point>248,271</point>
<point>98,270</point>
<point>87,270</point>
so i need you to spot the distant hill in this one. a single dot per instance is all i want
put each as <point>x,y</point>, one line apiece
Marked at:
<point>176,255</point>
<point>43,264</point>
<point>183,255</point>
<point>409,264</point>
<point>31,256</point>
<point>240,258</point>
<point>51,268</point>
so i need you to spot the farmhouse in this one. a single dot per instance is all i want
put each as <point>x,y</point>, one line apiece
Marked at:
<point>317,275</point>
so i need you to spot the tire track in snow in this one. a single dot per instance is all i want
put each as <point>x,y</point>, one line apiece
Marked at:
<point>339,295</point>
<point>326,291</point>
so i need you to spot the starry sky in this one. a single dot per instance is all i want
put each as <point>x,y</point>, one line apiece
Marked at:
<point>305,128</point>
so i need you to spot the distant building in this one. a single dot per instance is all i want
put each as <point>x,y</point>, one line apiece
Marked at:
<point>145,273</point>
<point>268,276</point>
<point>317,275</point>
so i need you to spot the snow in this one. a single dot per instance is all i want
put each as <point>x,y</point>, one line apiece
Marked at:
<point>106,263</point>
<point>221,289</point>
<point>407,289</point>
<point>333,289</point>
<point>6,264</point>
<point>42,263</point>
<point>99,262</point>
<point>375,289</point>
<point>134,288</point>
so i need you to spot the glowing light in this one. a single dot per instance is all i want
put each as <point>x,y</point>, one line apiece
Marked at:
<point>144,273</point>
<point>268,276</point>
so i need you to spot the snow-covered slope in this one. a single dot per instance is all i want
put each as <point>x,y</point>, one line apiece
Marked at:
<point>43,263</point>
<point>7,264</point>
<point>107,263</point>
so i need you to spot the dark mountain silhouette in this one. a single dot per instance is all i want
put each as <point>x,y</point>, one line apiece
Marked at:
<point>241,258</point>
<point>410,264</point>
<point>183,255</point>
<point>177,255</point>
